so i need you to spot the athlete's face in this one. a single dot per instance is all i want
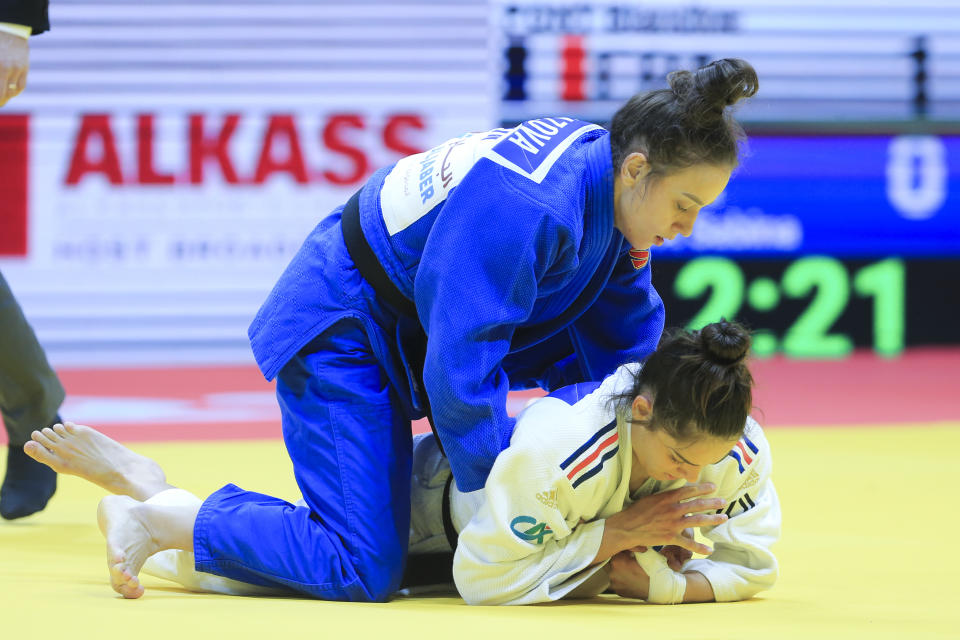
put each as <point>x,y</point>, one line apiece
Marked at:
<point>649,209</point>
<point>658,455</point>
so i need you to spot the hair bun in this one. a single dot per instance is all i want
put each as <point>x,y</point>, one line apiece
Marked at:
<point>709,90</point>
<point>727,343</point>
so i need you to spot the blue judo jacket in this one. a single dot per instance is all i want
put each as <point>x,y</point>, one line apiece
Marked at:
<point>505,241</point>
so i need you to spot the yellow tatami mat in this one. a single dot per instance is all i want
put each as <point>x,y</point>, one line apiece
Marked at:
<point>870,521</point>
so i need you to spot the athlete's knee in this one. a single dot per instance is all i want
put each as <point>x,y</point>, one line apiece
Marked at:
<point>379,576</point>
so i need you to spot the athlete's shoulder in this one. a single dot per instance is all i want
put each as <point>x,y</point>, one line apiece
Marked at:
<point>532,149</point>
<point>752,451</point>
<point>579,407</point>
<point>745,467</point>
<point>576,428</point>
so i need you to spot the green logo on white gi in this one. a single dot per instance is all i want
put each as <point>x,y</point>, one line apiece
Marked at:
<point>530,534</point>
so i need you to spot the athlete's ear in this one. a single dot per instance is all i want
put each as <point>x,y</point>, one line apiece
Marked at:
<point>642,408</point>
<point>635,168</point>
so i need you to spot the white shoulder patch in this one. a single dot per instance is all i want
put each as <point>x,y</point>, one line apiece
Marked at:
<point>420,182</point>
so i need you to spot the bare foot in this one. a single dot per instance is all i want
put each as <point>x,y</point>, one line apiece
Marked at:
<point>81,451</point>
<point>129,542</point>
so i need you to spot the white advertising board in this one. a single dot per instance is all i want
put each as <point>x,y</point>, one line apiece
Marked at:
<point>826,61</point>
<point>168,158</point>
<point>177,154</point>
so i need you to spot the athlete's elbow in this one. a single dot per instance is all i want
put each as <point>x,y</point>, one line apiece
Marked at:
<point>478,591</point>
<point>479,586</point>
<point>477,598</point>
<point>754,585</point>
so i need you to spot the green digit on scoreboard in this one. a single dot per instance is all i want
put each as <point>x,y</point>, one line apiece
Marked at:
<point>808,337</point>
<point>886,282</point>
<point>825,278</point>
<point>721,275</point>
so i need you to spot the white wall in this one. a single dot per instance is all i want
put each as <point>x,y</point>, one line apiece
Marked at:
<point>136,252</point>
<point>146,255</point>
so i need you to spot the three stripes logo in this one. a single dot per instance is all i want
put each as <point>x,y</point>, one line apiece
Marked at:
<point>743,452</point>
<point>588,459</point>
<point>745,502</point>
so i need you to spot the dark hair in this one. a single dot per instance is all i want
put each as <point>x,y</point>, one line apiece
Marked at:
<point>689,123</point>
<point>699,381</point>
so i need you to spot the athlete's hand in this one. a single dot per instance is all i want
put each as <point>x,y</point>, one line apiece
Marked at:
<point>14,63</point>
<point>660,519</point>
<point>627,577</point>
<point>677,556</point>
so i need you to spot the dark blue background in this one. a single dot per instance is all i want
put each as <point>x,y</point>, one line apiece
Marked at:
<point>836,186</point>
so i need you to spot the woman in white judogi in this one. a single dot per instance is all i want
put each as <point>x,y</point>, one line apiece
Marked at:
<point>571,491</point>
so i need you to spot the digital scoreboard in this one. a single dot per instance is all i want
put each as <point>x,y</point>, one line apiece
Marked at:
<point>823,243</point>
<point>818,306</point>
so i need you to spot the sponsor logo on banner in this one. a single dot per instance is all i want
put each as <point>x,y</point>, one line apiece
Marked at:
<point>280,145</point>
<point>172,190</point>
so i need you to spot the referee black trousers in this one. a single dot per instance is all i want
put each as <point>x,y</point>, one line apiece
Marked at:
<point>30,392</point>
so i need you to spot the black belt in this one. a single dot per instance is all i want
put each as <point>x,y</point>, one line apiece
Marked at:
<point>448,529</point>
<point>372,271</point>
<point>366,260</point>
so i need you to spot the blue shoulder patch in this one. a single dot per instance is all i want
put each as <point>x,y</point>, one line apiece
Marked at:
<point>532,147</point>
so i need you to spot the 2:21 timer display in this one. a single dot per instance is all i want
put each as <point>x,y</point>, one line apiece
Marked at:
<point>810,307</point>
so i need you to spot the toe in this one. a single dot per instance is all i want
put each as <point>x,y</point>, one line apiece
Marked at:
<point>124,582</point>
<point>39,453</point>
<point>132,589</point>
<point>118,575</point>
<point>51,434</point>
<point>60,430</point>
<point>43,438</point>
<point>70,427</point>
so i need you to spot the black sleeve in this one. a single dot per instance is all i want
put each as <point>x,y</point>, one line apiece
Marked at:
<point>31,13</point>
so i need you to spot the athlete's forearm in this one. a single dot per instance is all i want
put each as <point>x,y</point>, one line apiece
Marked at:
<point>611,543</point>
<point>699,588</point>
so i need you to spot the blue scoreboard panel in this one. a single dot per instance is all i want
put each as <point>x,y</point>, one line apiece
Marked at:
<point>845,196</point>
<point>826,243</point>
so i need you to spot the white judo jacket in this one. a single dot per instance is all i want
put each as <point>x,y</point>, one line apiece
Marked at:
<point>531,533</point>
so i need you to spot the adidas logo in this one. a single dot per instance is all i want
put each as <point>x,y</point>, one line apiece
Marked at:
<point>548,498</point>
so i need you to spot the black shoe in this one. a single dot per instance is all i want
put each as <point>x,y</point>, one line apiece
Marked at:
<point>27,487</point>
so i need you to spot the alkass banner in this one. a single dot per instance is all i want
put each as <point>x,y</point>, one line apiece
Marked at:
<point>163,166</point>
<point>166,190</point>
<point>154,229</point>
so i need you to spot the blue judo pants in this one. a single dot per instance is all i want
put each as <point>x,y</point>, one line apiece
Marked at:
<point>350,444</point>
